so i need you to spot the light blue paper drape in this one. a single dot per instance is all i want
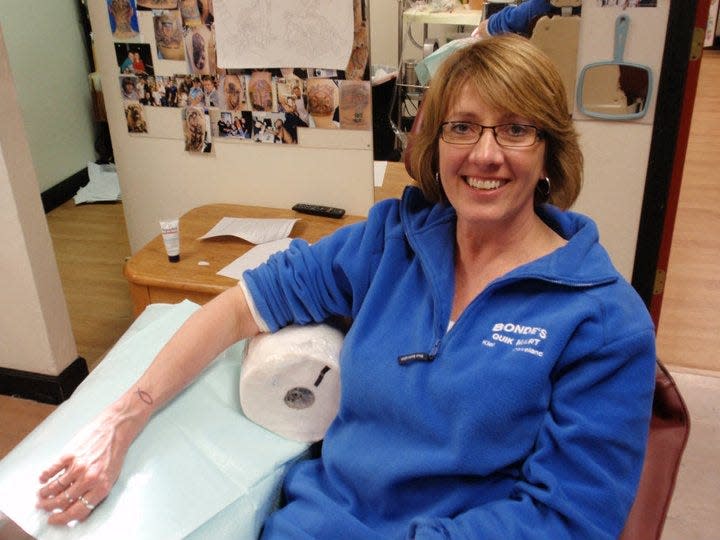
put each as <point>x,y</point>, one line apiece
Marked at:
<point>200,469</point>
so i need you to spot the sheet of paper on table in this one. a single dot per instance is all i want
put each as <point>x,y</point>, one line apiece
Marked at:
<point>379,172</point>
<point>254,258</point>
<point>255,230</point>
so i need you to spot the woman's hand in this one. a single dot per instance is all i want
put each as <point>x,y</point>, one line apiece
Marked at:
<point>82,478</point>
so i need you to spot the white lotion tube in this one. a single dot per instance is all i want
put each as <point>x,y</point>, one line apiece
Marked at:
<point>171,238</point>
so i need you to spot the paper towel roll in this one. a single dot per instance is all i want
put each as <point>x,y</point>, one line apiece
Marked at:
<point>290,381</point>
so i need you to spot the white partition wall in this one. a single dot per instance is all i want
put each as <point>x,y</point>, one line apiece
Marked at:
<point>617,152</point>
<point>35,332</point>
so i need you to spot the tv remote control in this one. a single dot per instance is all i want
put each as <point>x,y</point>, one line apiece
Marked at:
<point>318,210</point>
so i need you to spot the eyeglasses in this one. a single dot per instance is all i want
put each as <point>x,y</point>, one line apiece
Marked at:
<point>506,135</point>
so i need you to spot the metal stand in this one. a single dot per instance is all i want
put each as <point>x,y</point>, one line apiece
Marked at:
<point>408,93</point>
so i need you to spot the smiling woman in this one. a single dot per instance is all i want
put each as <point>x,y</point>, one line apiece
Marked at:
<point>514,399</point>
<point>515,96</point>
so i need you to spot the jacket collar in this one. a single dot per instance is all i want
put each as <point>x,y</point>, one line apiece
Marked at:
<point>582,262</point>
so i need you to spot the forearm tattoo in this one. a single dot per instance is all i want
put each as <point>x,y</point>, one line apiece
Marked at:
<point>321,96</point>
<point>144,396</point>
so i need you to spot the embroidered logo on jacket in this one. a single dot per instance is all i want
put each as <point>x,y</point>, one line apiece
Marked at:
<point>527,339</point>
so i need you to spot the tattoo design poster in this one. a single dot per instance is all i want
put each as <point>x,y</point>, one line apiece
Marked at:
<point>123,19</point>
<point>260,104</point>
<point>135,117</point>
<point>197,130</point>
<point>169,35</point>
<point>157,4</point>
<point>355,110</point>
<point>278,33</point>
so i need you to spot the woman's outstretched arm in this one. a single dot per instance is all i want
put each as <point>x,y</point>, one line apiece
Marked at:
<point>82,478</point>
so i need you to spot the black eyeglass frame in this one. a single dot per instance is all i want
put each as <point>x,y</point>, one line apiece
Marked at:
<point>539,133</point>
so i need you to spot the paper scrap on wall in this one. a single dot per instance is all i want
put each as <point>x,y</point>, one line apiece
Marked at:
<point>281,33</point>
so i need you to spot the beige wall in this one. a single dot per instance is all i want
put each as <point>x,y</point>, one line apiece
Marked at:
<point>35,332</point>
<point>384,32</point>
<point>617,153</point>
<point>50,68</point>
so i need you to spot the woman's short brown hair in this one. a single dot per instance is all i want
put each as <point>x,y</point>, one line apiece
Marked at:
<point>511,75</point>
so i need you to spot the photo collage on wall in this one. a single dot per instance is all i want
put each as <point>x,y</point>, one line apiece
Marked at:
<point>228,104</point>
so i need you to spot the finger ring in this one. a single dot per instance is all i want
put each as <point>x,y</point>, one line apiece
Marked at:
<point>68,497</point>
<point>86,503</point>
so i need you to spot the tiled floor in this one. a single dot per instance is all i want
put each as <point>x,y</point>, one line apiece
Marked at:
<point>695,509</point>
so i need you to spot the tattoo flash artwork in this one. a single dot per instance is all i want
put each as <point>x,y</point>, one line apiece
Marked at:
<point>123,19</point>
<point>260,90</point>
<point>355,110</point>
<point>360,52</point>
<point>197,130</point>
<point>169,36</point>
<point>190,12</point>
<point>232,95</point>
<point>322,101</point>
<point>198,51</point>
<point>135,117</point>
<point>321,96</point>
<point>157,4</point>
<point>200,48</point>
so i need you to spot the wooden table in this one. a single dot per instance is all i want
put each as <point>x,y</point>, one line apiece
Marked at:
<point>153,279</point>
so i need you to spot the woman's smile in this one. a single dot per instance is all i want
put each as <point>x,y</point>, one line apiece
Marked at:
<point>486,184</point>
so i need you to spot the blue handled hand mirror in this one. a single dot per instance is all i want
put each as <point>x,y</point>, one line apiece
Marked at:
<point>615,89</point>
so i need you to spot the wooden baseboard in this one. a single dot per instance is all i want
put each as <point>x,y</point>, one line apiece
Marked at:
<point>52,389</point>
<point>65,190</point>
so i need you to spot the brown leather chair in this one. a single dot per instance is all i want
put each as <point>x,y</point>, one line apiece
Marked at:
<point>669,432</point>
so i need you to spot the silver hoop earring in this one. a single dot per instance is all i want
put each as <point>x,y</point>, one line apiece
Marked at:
<point>543,188</point>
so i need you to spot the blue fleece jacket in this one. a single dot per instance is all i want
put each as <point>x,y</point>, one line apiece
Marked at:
<point>527,419</point>
<point>517,19</point>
